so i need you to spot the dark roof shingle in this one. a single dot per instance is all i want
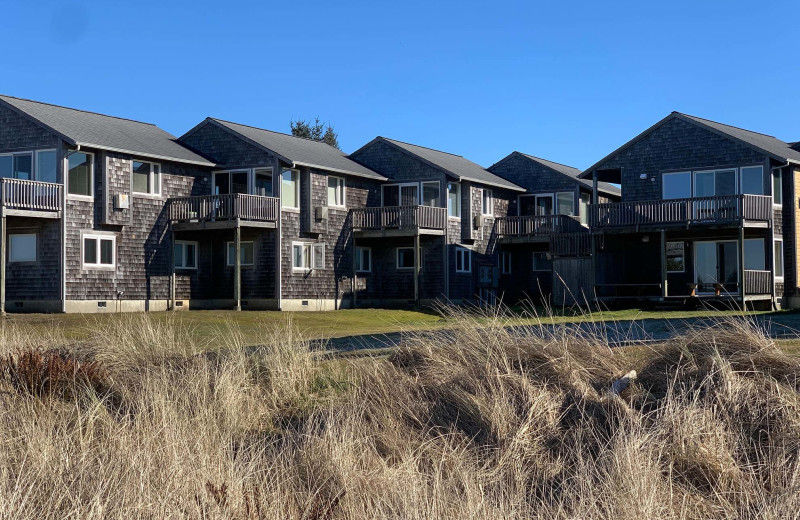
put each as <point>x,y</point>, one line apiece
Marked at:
<point>107,132</point>
<point>573,173</point>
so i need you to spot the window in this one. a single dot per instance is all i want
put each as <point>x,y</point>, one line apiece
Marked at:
<point>542,261</point>
<point>246,253</point>
<point>676,257</point>
<point>363,259</point>
<point>584,208</point>
<point>185,255</point>
<point>231,182</point>
<point>777,187</point>
<point>778,245</point>
<point>46,170</point>
<point>400,194</point>
<point>318,255</point>
<point>336,191</point>
<point>565,203</point>
<point>430,194</point>
<point>22,248</point>
<point>752,180</point>
<point>505,262</point>
<point>99,251</point>
<point>301,256</point>
<point>146,177</point>
<point>714,183</point>
<point>80,174</point>
<point>544,204</point>
<point>463,260</point>
<point>290,189</point>
<point>487,204</point>
<point>17,165</point>
<point>405,258</point>
<point>676,185</point>
<point>262,182</point>
<point>454,199</point>
<point>754,254</point>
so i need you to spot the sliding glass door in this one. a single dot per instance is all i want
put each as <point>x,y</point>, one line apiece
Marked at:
<point>716,266</point>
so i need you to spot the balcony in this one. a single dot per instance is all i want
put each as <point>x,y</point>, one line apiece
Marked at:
<point>513,229</point>
<point>224,211</point>
<point>398,220</point>
<point>728,210</point>
<point>31,198</point>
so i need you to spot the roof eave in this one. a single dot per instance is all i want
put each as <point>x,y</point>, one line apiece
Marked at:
<point>145,154</point>
<point>375,176</point>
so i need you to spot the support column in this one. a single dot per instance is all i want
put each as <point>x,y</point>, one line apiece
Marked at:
<point>355,269</point>
<point>237,275</point>
<point>594,187</point>
<point>664,291</point>
<point>3,237</point>
<point>416,269</point>
<point>741,265</point>
<point>172,270</point>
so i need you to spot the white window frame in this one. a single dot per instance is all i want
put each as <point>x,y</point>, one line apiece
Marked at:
<point>537,196</point>
<point>359,258</point>
<point>339,193</point>
<point>400,187</point>
<point>183,244</point>
<point>491,202</point>
<point>775,260</point>
<point>772,187</point>
<point>505,262</point>
<point>36,163</point>
<point>466,261</point>
<point>668,242</point>
<point>557,209</point>
<point>736,181</point>
<point>318,256</point>
<point>98,237</point>
<point>11,248</point>
<point>533,262</point>
<point>76,196</point>
<point>32,153</point>
<point>296,189</point>
<point>252,182</point>
<point>741,176</point>
<point>421,193</point>
<point>150,180</point>
<point>691,182</point>
<point>397,259</point>
<point>230,244</point>
<point>449,209</point>
<point>316,250</point>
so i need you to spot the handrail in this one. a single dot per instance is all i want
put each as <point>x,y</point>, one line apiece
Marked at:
<point>30,195</point>
<point>398,217</point>
<point>534,225</point>
<point>229,206</point>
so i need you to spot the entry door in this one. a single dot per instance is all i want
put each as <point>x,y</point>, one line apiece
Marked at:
<point>544,205</point>
<point>409,195</point>
<point>230,182</point>
<point>716,263</point>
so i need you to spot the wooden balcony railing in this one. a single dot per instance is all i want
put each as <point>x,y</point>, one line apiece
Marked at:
<point>573,245</point>
<point>700,210</point>
<point>231,206</point>
<point>757,282</point>
<point>537,225</point>
<point>398,217</point>
<point>20,194</point>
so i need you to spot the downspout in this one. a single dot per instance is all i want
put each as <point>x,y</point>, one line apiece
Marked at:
<point>64,171</point>
<point>772,232</point>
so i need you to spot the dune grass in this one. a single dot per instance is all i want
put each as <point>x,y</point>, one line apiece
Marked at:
<point>142,419</point>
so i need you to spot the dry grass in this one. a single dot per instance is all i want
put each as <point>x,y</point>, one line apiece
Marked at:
<point>470,423</point>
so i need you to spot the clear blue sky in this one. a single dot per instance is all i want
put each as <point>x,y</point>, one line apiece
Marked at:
<point>568,81</point>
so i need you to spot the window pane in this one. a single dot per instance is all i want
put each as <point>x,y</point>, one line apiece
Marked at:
<point>565,203</point>
<point>454,199</point>
<point>247,253</point>
<point>777,187</point>
<point>391,196</point>
<point>179,248</point>
<point>107,252</point>
<point>752,180</point>
<point>430,194</point>
<point>6,166</point>
<point>544,205</point>
<point>289,188</point>
<point>754,254</point>
<point>297,256</point>
<point>222,184</point>
<point>778,258</point>
<point>487,202</point>
<point>725,182</point>
<point>263,183</point>
<point>141,177</point>
<point>676,185</point>
<point>704,184</point>
<point>23,166</point>
<point>676,259</point>
<point>584,208</point>
<point>22,248</point>
<point>405,257</point>
<point>239,182</point>
<point>319,256</point>
<point>156,178</point>
<point>231,253</point>
<point>46,166</point>
<point>80,174</point>
<point>191,255</point>
<point>89,251</point>
<point>333,192</point>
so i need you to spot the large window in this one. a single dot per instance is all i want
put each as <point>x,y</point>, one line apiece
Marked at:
<point>246,253</point>
<point>676,185</point>
<point>586,199</point>
<point>542,261</point>
<point>406,194</point>
<point>565,203</point>
<point>544,204</point>
<point>307,256</point>
<point>676,257</point>
<point>17,165</point>
<point>405,258</point>
<point>99,251</point>
<point>80,175</point>
<point>262,182</point>
<point>753,180</point>
<point>777,187</point>
<point>754,254</point>
<point>336,194</point>
<point>430,193</point>
<point>231,182</point>
<point>185,255</point>
<point>487,202</point>
<point>454,199</point>
<point>463,260</point>
<point>290,188</point>
<point>363,259</point>
<point>714,183</point>
<point>146,177</point>
<point>46,170</point>
<point>778,246</point>
<point>22,248</point>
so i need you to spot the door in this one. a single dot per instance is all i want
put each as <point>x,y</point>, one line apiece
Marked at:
<point>717,267</point>
<point>230,182</point>
<point>544,205</point>
<point>717,183</point>
<point>409,194</point>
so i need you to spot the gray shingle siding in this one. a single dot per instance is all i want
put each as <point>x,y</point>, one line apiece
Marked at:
<point>225,148</point>
<point>18,132</point>
<point>533,176</point>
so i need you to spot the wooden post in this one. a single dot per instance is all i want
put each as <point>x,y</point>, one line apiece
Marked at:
<point>237,275</point>
<point>741,265</point>
<point>172,295</point>
<point>663,264</point>
<point>355,268</point>
<point>594,187</point>
<point>3,237</point>
<point>416,269</point>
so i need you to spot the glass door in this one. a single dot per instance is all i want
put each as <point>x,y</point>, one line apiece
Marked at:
<point>409,194</point>
<point>716,267</point>
<point>544,205</point>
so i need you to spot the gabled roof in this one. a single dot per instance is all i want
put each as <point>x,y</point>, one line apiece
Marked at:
<point>563,169</point>
<point>766,144</point>
<point>78,127</point>
<point>295,150</point>
<point>454,165</point>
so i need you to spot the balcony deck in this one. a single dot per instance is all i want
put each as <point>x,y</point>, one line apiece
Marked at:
<point>398,221</point>
<point>709,212</point>
<point>36,199</point>
<point>223,211</point>
<point>536,228</point>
